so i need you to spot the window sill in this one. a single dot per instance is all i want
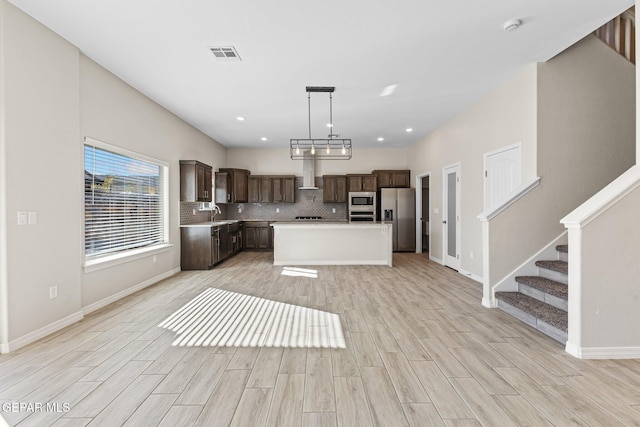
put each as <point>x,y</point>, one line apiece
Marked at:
<point>121,258</point>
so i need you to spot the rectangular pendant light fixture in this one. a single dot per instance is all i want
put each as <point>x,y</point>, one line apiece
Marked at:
<point>320,149</point>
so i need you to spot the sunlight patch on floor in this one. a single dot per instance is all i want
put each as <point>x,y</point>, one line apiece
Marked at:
<point>296,271</point>
<point>222,318</point>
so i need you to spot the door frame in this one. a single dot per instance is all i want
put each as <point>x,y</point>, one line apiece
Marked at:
<point>485,158</point>
<point>458,167</point>
<point>420,214</point>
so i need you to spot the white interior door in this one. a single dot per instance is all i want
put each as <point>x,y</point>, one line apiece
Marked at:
<point>451,216</point>
<point>502,174</point>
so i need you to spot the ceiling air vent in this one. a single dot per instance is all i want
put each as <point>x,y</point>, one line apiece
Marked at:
<point>227,53</point>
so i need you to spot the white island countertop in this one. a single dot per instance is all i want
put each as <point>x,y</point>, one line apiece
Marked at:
<point>332,243</point>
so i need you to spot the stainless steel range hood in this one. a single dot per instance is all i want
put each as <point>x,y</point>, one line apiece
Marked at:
<point>309,174</point>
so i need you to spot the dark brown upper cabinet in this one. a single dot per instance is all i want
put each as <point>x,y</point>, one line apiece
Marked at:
<point>362,182</point>
<point>284,189</point>
<point>393,178</point>
<point>260,189</point>
<point>232,186</point>
<point>195,181</point>
<point>334,188</point>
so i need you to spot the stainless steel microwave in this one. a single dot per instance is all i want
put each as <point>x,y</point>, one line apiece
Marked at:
<point>362,200</point>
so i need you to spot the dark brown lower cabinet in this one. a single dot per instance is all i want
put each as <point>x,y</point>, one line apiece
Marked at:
<point>199,248</point>
<point>203,247</point>
<point>257,235</point>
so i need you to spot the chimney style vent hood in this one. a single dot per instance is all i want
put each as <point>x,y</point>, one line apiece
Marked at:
<point>309,174</point>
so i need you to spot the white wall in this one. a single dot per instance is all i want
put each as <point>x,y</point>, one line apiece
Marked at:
<point>278,161</point>
<point>501,118</point>
<point>52,96</point>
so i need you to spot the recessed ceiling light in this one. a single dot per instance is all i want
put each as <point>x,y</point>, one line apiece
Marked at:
<point>409,129</point>
<point>240,119</point>
<point>380,139</point>
<point>512,24</point>
<point>388,90</point>
<point>263,139</point>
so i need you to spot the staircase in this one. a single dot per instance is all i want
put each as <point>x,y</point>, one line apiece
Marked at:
<point>541,301</point>
<point>620,34</point>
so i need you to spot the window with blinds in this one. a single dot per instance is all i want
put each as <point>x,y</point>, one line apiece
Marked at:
<point>124,200</point>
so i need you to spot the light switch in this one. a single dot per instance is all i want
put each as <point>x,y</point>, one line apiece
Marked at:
<point>22,217</point>
<point>436,210</point>
<point>33,217</point>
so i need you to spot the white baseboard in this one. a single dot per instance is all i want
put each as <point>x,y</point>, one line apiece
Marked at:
<point>115,297</point>
<point>603,352</point>
<point>471,275</point>
<point>434,259</point>
<point>77,316</point>
<point>42,332</point>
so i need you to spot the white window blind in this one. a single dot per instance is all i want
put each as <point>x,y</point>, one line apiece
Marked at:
<point>124,201</point>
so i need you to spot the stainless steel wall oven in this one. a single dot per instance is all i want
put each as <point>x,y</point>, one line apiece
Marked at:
<point>362,206</point>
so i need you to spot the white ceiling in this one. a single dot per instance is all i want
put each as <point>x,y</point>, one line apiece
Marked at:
<point>442,55</point>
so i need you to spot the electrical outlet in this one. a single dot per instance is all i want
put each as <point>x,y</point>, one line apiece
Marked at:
<point>194,211</point>
<point>53,292</point>
<point>471,254</point>
<point>155,258</point>
<point>277,210</point>
<point>333,210</point>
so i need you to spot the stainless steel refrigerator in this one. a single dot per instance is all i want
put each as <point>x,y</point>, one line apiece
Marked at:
<point>398,205</point>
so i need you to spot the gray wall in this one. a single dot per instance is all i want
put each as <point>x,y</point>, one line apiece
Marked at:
<point>586,138</point>
<point>42,172</point>
<point>501,118</point>
<point>52,96</point>
<point>610,302</point>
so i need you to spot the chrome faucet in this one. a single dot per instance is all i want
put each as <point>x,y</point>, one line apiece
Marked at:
<point>215,209</point>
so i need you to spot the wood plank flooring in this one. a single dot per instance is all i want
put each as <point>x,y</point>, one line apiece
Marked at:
<point>420,351</point>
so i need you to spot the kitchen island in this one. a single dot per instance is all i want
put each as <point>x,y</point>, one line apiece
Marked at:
<point>332,243</point>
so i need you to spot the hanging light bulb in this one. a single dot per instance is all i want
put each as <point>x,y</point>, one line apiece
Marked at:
<point>328,148</point>
<point>313,149</point>
<point>297,149</point>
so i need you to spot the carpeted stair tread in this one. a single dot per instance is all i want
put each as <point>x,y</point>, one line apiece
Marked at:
<point>559,266</point>
<point>548,314</point>
<point>563,248</point>
<point>545,285</point>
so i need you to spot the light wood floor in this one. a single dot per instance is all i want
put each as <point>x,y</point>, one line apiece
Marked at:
<point>421,351</point>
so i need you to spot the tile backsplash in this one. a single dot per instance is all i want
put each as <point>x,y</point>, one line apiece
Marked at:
<point>308,203</point>
<point>187,215</point>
